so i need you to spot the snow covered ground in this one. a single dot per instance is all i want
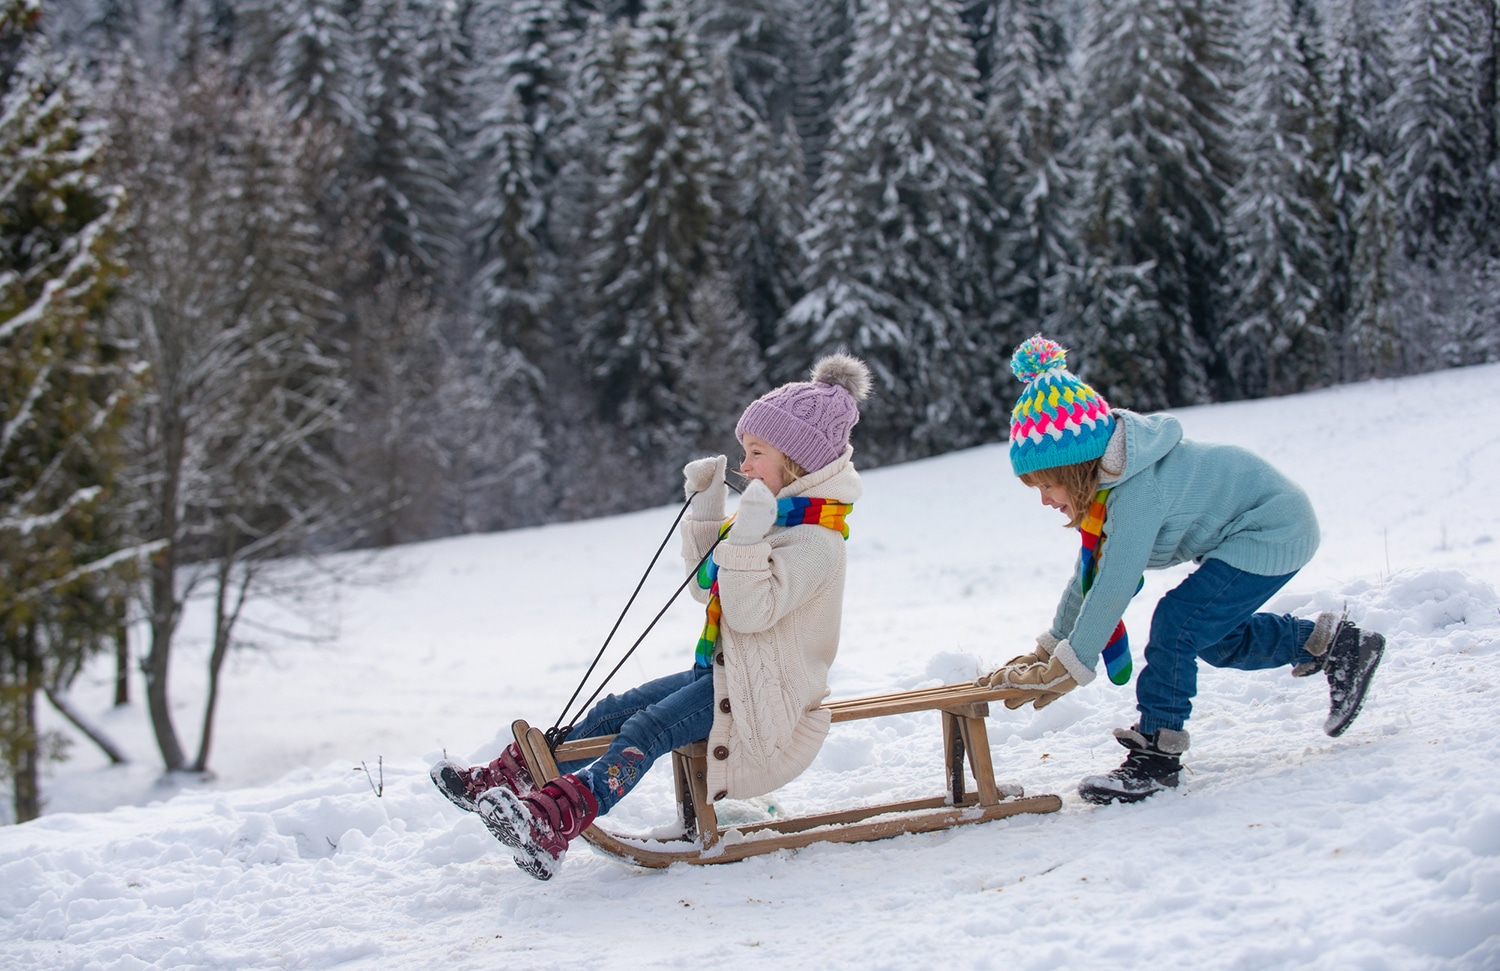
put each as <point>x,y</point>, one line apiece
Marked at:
<point>1283,848</point>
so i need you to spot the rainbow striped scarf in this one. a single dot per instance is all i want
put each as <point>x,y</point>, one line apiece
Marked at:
<point>1117,650</point>
<point>796,511</point>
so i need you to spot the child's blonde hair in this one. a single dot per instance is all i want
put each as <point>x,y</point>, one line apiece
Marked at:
<point>1079,480</point>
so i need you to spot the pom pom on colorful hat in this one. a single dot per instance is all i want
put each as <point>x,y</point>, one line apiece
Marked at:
<point>1058,419</point>
<point>810,421</point>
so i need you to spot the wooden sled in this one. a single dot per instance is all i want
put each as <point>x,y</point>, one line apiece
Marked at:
<point>963,707</point>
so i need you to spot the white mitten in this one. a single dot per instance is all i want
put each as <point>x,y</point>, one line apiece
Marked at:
<point>756,516</point>
<point>703,486</point>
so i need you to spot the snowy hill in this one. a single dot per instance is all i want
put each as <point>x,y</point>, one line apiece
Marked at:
<point>1283,848</point>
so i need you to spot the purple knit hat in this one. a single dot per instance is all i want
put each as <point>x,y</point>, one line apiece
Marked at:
<point>810,421</point>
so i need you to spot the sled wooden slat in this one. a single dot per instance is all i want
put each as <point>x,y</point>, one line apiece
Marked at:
<point>877,829</point>
<point>963,709</point>
<point>923,699</point>
<point>977,742</point>
<point>849,709</point>
<point>584,748</point>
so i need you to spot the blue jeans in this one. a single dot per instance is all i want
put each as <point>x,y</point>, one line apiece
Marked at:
<point>1211,615</point>
<point>647,722</point>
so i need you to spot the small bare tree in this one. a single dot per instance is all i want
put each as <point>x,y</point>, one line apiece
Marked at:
<point>229,296</point>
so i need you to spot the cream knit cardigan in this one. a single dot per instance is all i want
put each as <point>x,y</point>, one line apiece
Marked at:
<point>782,600</point>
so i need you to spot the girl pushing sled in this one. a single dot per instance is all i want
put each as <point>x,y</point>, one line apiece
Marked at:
<point>1143,497</point>
<point>773,592</point>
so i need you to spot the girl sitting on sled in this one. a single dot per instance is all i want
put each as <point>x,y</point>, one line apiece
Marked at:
<point>773,591</point>
<point>1142,496</point>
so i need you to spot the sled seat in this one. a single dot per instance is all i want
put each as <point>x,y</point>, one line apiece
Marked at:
<point>963,709</point>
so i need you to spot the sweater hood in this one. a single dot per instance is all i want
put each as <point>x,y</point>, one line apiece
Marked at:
<point>1143,439</point>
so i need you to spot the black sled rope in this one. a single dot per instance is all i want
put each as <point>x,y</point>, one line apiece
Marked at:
<point>559,732</point>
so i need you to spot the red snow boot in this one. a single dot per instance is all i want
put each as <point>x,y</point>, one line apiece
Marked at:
<point>463,786</point>
<point>538,826</point>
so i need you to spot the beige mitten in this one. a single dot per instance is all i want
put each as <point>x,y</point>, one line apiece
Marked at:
<point>1043,675</point>
<point>1045,645</point>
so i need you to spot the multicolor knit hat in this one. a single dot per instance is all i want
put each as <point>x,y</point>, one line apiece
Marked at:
<point>810,421</point>
<point>1058,420</point>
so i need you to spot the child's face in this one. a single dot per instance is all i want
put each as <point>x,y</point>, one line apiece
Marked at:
<point>1056,497</point>
<point>764,462</point>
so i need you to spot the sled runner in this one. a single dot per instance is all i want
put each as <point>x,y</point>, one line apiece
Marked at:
<point>963,708</point>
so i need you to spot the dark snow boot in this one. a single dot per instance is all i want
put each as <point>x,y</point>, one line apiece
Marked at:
<point>1152,765</point>
<point>1350,665</point>
<point>538,826</point>
<point>463,785</point>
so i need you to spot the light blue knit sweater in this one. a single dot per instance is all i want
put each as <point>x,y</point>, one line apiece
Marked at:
<point>1178,500</point>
